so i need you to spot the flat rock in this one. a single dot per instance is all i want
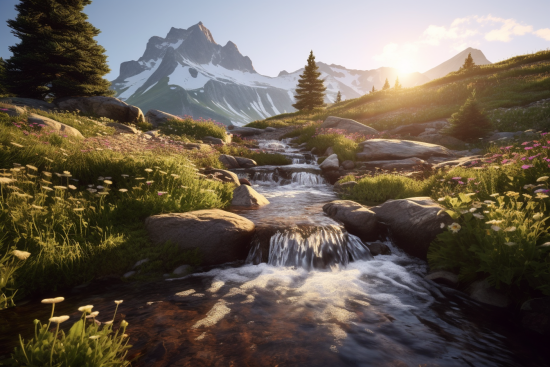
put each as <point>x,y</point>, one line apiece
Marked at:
<point>330,164</point>
<point>55,126</point>
<point>223,175</point>
<point>213,140</point>
<point>390,149</point>
<point>482,292</point>
<point>348,164</point>
<point>229,161</point>
<point>417,129</point>
<point>219,235</point>
<point>121,128</point>
<point>29,102</point>
<point>443,277</point>
<point>246,131</point>
<point>378,248</point>
<point>246,162</point>
<point>245,195</point>
<point>412,223</point>
<point>357,219</point>
<point>441,139</point>
<point>109,107</point>
<point>398,164</point>
<point>351,126</point>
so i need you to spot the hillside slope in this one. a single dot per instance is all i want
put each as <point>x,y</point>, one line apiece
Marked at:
<point>456,62</point>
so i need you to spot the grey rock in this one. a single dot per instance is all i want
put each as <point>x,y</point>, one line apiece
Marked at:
<point>228,161</point>
<point>440,139</point>
<point>126,129</point>
<point>29,102</point>
<point>357,219</point>
<point>348,164</point>
<point>330,164</point>
<point>109,107</point>
<point>219,235</point>
<point>398,164</point>
<point>412,223</point>
<point>55,126</point>
<point>246,131</point>
<point>482,292</point>
<point>329,151</point>
<point>270,129</point>
<point>350,126</point>
<point>389,149</point>
<point>129,274</point>
<point>378,248</point>
<point>246,162</point>
<point>417,129</point>
<point>182,270</point>
<point>536,315</point>
<point>245,195</point>
<point>213,140</point>
<point>504,136</point>
<point>225,176</point>
<point>158,118</point>
<point>443,277</point>
<point>139,263</point>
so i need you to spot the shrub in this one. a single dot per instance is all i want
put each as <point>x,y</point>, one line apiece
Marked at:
<point>345,148</point>
<point>262,158</point>
<point>469,122</point>
<point>196,129</point>
<point>382,187</point>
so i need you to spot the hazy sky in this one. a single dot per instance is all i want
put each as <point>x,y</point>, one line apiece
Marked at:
<point>278,34</point>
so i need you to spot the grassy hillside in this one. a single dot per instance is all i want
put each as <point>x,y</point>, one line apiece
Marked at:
<point>518,81</point>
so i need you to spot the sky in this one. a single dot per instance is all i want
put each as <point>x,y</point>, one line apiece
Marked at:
<point>357,34</point>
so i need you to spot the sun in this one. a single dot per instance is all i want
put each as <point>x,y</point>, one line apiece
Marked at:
<point>405,66</point>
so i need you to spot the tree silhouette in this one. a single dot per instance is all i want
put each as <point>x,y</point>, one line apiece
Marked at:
<point>386,85</point>
<point>310,92</point>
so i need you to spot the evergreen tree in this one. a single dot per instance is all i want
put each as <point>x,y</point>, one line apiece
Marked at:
<point>386,85</point>
<point>469,122</point>
<point>310,92</point>
<point>373,89</point>
<point>397,84</point>
<point>3,90</point>
<point>57,55</point>
<point>338,97</point>
<point>468,62</point>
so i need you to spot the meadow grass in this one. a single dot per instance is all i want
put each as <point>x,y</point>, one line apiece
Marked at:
<point>194,129</point>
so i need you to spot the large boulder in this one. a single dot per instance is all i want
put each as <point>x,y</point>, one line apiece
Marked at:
<point>228,161</point>
<point>397,164</point>
<point>245,195</point>
<point>412,223</point>
<point>219,235</point>
<point>417,129</point>
<point>350,126</point>
<point>440,139</point>
<point>55,126</point>
<point>246,162</point>
<point>29,102</point>
<point>157,117</point>
<point>330,164</point>
<point>223,175</point>
<point>109,107</point>
<point>246,131</point>
<point>357,219</point>
<point>388,149</point>
<point>213,140</point>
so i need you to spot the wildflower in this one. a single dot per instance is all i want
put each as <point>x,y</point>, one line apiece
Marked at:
<point>455,227</point>
<point>139,178</point>
<point>72,187</point>
<point>108,182</point>
<point>441,199</point>
<point>527,196</point>
<point>93,337</point>
<point>92,315</point>
<point>457,178</point>
<point>542,179</point>
<point>526,166</point>
<point>36,206</point>
<point>442,225</point>
<point>489,202</point>
<point>16,145</point>
<point>5,180</point>
<point>546,244</point>
<point>541,196</point>
<point>108,322</point>
<point>148,170</point>
<point>59,319</point>
<point>124,323</point>
<point>119,302</point>
<point>100,187</point>
<point>87,308</point>
<point>53,300</point>
<point>103,193</point>
<point>495,228</point>
<point>21,255</point>
<point>494,221</point>
<point>78,209</point>
<point>47,188</point>
<point>494,195</point>
<point>123,190</point>
<point>510,229</point>
<point>473,210</point>
<point>125,175</point>
<point>529,187</point>
<point>66,172</point>
<point>464,211</point>
<point>537,216</point>
<point>91,190</point>
<point>31,167</point>
<point>479,216</point>
<point>486,212</point>
<point>160,193</point>
<point>174,175</point>
<point>163,173</point>
<point>510,243</point>
<point>149,182</point>
<point>512,194</point>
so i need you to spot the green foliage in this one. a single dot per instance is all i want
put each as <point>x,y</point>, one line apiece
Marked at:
<point>193,129</point>
<point>535,117</point>
<point>502,241</point>
<point>468,63</point>
<point>9,263</point>
<point>386,85</point>
<point>310,92</point>
<point>338,97</point>
<point>397,84</point>
<point>345,148</point>
<point>380,188</point>
<point>87,344</point>
<point>57,55</point>
<point>144,126</point>
<point>3,89</point>
<point>469,122</point>
<point>261,158</point>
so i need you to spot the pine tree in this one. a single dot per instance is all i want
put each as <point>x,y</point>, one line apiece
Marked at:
<point>397,84</point>
<point>373,89</point>
<point>57,55</point>
<point>310,92</point>
<point>386,85</point>
<point>3,90</point>
<point>469,122</point>
<point>468,62</point>
<point>338,97</point>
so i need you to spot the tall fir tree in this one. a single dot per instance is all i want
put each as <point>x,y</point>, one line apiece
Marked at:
<point>468,62</point>
<point>310,92</point>
<point>57,55</point>
<point>469,122</point>
<point>338,97</point>
<point>373,89</point>
<point>3,90</point>
<point>386,85</point>
<point>397,84</point>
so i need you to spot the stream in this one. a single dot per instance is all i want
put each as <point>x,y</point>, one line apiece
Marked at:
<point>320,300</point>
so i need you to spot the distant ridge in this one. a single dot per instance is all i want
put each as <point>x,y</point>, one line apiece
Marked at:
<point>454,63</point>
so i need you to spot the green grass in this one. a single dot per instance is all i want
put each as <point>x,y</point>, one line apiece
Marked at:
<point>75,233</point>
<point>193,129</point>
<point>520,119</point>
<point>379,188</point>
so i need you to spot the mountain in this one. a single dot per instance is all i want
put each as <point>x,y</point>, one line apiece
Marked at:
<point>454,63</point>
<point>188,73</point>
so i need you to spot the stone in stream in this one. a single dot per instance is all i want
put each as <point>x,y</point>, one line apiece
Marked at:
<point>378,248</point>
<point>412,223</point>
<point>55,126</point>
<point>351,126</point>
<point>443,277</point>
<point>228,161</point>
<point>219,235</point>
<point>223,175</point>
<point>389,149</point>
<point>246,162</point>
<point>348,164</point>
<point>245,195</point>
<point>357,219</point>
<point>109,107</point>
<point>483,292</point>
<point>330,164</point>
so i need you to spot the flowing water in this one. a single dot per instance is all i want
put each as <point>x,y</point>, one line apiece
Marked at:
<point>309,294</point>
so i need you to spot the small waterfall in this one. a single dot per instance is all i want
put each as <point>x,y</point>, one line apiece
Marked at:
<point>297,160</point>
<point>307,179</point>
<point>265,177</point>
<point>309,247</point>
<point>274,145</point>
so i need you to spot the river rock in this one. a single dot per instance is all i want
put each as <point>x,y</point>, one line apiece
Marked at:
<point>109,107</point>
<point>351,126</point>
<point>246,162</point>
<point>182,270</point>
<point>213,140</point>
<point>29,102</point>
<point>221,236</point>
<point>483,292</point>
<point>223,175</point>
<point>330,164</point>
<point>245,195</point>
<point>124,129</point>
<point>378,248</point>
<point>228,161</point>
<point>390,149</point>
<point>443,277</point>
<point>246,131</point>
<point>158,118</point>
<point>536,315</point>
<point>55,126</point>
<point>412,223</point>
<point>348,164</point>
<point>398,164</point>
<point>357,219</point>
